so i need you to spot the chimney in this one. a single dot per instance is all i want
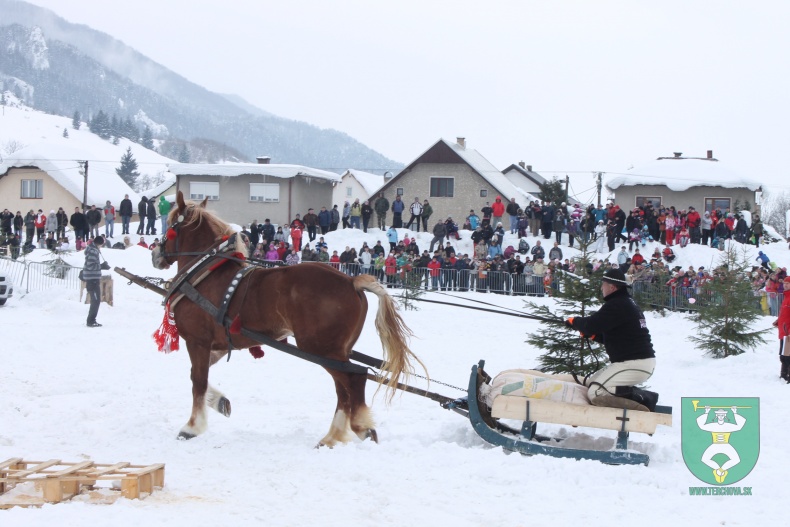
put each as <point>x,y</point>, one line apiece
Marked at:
<point>529,168</point>
<point>263,160</point>
<point>710,154</point>
<point>461,142</point>
<point>521,164</point>
<point>678,154</point>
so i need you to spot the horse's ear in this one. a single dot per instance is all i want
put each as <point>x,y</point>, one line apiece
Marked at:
<point>203,203</point>
<point>180,201</point>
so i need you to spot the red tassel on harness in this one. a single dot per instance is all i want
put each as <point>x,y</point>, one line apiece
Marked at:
<point>171,234</point>
<point>166,337</point>
<point>256,352</point>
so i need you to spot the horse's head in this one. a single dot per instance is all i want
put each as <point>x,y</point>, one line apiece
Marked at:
<point>184,235</point>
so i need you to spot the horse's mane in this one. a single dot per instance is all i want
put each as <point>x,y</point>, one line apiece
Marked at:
<point>195,214</point>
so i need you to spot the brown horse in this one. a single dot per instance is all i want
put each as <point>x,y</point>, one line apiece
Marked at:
<point>322,308</point>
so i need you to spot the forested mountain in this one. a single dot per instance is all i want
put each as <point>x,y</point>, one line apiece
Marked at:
<point>63,68</point>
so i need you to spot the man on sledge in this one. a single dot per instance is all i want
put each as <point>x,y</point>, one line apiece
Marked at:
<point>620,326</point>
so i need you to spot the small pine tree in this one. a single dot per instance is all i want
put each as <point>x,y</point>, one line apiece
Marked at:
<point>411,291</point>
<point>128,169</point>
<point>2,98</point>
<point>66,133</point>
<point>565,351</point>
<point>183,155</point>
<point>76,120</point>
<point>553,191</point>
<point>148,138</point>
<point>725,315</point>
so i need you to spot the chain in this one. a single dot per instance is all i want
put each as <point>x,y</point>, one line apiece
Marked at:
<point>439,382</point>
<point>155,280</point>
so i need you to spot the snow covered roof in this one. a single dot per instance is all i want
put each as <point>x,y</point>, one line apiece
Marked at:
<point>60,162</point>
<point>170,180</point>
<point>534,176</point>
<point>680,174</point>
<point>242,169</point>
<point>370,182</point>
<point>491,174</point>
<point>487,171</point>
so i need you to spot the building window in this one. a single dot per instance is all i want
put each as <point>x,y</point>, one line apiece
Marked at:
<point>349,191</point>
<point>722,204</point>
<point>442,187</point>
<point>641,201</point>
<point>483,193</point>
<point>265,192</point>
<point>399,191</point>
<point>203,190</point>
<point>32,189</point>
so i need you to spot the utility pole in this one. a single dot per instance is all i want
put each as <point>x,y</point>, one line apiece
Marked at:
<point>598,185</point>
<point>84,165</point>
<point>567,182</point>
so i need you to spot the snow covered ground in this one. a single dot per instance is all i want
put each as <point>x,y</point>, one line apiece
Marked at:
<point>70,392</point>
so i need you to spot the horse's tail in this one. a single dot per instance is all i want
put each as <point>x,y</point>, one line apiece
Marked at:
<point>394,335</point>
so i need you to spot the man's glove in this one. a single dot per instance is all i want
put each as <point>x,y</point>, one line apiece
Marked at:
<point>105,266</point>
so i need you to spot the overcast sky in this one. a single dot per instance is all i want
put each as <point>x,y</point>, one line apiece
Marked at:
<point>566,86</point>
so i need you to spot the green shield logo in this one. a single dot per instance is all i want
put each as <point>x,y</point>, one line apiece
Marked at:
<point>720,437</point>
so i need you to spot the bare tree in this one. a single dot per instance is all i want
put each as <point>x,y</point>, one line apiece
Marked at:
<point>774,210</point>
<point>12,145</point>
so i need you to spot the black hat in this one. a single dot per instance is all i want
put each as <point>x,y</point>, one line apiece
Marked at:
<point>98,240</point>
<point>616,277</point>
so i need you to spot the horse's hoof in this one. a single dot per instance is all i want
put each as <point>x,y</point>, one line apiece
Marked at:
<point>223,406</point>
<point>372,435</point>
<point>185,436</point>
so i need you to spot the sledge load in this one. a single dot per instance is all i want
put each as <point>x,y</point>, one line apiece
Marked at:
<point>537,398</point>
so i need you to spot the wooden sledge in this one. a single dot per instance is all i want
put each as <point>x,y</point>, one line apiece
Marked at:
<point>533,411</point>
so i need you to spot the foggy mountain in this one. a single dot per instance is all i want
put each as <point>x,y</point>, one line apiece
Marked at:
<point>60,67</point>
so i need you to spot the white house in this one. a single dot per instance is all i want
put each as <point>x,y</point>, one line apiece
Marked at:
<point>47,176</point>
<point>242,192</point>
<point>356,184</point>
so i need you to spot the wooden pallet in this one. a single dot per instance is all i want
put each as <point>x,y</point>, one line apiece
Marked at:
<point>60,481</point>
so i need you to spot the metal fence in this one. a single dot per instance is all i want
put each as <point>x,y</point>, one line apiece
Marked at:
<point>40,276</point>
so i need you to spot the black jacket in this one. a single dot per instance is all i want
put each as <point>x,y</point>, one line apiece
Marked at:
<point>142,207</point>
<point>126,207</point>
<point>620,326</point>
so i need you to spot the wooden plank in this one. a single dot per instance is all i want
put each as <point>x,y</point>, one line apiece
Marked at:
<point>37,468</point>
<point>543,411</point>
<point>10,463</point>
<point>106,469</point>
<point>159,477</point>
<point>73,468</point>
<point>147,469</point>
<point>130,488</point>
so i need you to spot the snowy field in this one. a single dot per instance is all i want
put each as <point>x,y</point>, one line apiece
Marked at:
<point>73,393</point>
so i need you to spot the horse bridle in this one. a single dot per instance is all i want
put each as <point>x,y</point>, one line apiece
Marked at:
<point>163,242</point>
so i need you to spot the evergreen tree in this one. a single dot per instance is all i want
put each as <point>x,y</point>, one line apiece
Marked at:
<point>564,350</point>
<point>100,125</point>
<point>76,120</point>
<point>148,138</point>
<point>115,128</point>
<point>128,169</point>
<point>130,130</point>
<point>65,132</point>
<point>725,314</point>
<point>553,191</point>
<point>183,155</point>
<point>2,98</point>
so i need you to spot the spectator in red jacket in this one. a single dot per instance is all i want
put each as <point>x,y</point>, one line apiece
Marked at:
<point>498,210</point>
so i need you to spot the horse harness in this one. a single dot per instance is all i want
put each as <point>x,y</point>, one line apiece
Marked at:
<point>226,249</point>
